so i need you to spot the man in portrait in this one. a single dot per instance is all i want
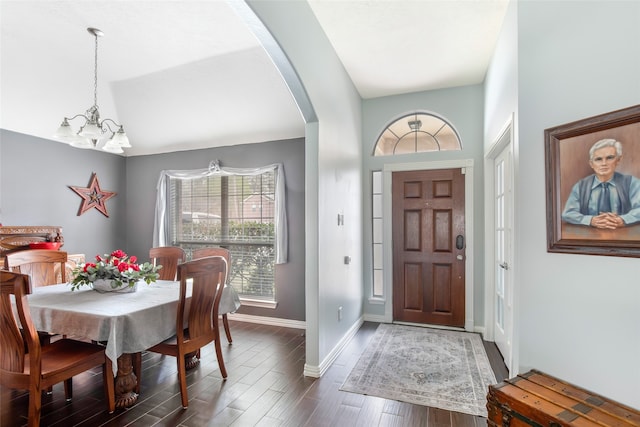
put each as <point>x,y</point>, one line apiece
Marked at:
<point>605,199</point>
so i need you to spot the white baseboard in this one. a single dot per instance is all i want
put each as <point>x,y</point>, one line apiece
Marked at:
<point>273,321</point>
<point>318,371</point>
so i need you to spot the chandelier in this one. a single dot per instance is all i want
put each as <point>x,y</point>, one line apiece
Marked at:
<point>414,125</point>
<point>94,131</point>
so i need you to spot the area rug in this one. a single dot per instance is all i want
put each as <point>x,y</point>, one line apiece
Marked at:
<point>425,366</point>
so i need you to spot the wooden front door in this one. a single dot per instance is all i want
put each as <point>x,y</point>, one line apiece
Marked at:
<point>429,247</point>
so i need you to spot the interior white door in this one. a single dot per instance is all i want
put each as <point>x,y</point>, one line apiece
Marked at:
<point>503,209</point>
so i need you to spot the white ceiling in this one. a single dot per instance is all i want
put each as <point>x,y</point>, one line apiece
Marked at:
<point>188,74</point>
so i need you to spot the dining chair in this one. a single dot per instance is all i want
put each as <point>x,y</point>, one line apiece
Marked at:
<point>226,254</point>
<point>73,261</point>
<point>200,314</point>
<point>25,365</point>
<point>44,266</point>
<point>169,257</point>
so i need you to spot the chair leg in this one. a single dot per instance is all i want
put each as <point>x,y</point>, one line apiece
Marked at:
<point>68,389</point>
<point>182,379</point>
<point>35,405</point>
<point>109,384</point>
<point>223,369</point>
<point>227,331</point>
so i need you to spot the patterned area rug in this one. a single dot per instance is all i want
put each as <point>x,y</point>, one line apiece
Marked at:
<point>431,367</point>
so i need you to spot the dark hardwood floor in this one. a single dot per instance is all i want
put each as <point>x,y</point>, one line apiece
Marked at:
<point>265,387</point>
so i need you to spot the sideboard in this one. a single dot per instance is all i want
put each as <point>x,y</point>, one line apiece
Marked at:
<point>17,238</point>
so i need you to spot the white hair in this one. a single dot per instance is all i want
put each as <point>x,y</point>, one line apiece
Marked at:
<point>607,142</point>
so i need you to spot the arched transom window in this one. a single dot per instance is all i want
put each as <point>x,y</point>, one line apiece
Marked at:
<point>417,133</point>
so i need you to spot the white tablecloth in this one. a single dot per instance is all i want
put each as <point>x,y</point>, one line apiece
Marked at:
<point>128,322</point>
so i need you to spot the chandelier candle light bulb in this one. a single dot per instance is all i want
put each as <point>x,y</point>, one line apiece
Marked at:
<point>93,129</point>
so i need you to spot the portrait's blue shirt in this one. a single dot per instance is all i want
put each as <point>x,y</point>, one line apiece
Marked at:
<point>572,214</point>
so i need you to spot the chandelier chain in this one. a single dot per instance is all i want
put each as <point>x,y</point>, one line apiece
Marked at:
<point>95,75</point>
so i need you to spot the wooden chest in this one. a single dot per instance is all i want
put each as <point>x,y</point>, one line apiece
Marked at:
<point>538,399</point>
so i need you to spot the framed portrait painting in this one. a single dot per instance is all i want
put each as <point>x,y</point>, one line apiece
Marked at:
<point>593,185</point>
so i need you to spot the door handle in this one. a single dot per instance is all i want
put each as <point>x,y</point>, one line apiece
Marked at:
<point>460,241</point>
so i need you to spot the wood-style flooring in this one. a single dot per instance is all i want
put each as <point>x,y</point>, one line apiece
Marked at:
<point>265,387</point>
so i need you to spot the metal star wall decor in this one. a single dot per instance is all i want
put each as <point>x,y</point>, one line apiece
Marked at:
<point>93,196</point>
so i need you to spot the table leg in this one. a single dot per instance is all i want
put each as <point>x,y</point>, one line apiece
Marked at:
<point>125,382</point>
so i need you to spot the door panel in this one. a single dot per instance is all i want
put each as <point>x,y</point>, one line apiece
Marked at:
<point>428,268</point>
<point>503,199</point>
<point>413,294</point>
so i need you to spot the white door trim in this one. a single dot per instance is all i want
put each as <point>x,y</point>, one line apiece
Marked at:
<point>467,170</point>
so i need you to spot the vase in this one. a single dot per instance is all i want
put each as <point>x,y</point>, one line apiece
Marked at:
<point>107,285</point>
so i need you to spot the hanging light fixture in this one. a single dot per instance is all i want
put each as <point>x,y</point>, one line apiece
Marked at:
<point>93,130</point>
<point>415,125</point>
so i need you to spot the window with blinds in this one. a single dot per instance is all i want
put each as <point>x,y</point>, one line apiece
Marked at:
<point>235,212</point>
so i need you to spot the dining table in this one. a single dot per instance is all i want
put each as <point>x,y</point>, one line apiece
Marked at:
<point>127,323</point>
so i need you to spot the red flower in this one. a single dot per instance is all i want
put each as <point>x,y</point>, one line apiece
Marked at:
<point>123,266</point>
<point>89,265</point>
<point>98,258</point>
<point>118,254</point>
<point>116,261</point>
<point>134,267</point>
<point>133,259</point>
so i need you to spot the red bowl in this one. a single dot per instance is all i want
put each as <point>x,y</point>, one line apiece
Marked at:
<point>45,245</point>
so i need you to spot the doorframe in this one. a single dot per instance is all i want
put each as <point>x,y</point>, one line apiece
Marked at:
<point>467,170</point>
<point>504,139</point>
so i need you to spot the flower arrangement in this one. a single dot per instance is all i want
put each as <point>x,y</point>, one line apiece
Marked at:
<point>117,266</point>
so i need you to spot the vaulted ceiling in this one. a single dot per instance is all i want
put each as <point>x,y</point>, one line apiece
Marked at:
<point>189,74</point>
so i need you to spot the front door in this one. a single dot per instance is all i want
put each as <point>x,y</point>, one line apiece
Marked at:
<point>428,247</point>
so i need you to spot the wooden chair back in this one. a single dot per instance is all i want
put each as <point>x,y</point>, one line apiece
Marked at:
<point>13,353</point>
<point>202,319</point>
<point>169,257</point>
<point>201,313</point>
<point>44,266</point>
<point>23,364</point>
<point>205,252</point>
<point>226,254</point>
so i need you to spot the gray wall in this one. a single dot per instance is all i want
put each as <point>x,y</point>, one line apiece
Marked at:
<point>35,174</point>
<point>34,177</point>
<point>142,177</point>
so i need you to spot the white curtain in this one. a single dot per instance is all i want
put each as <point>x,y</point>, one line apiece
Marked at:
<point>161,224</point>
